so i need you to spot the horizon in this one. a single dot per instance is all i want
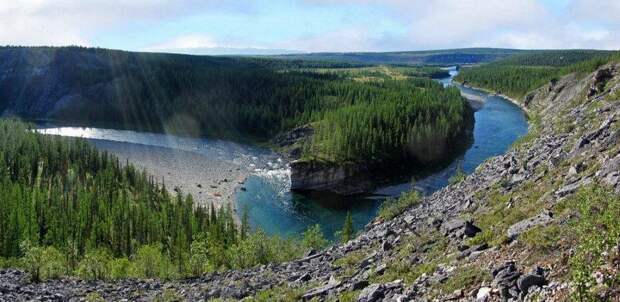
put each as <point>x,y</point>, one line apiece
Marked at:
<point>293,54</point>
<point>311,26</point>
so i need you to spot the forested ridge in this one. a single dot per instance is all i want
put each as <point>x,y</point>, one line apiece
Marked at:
<point>66,208</point>
<point>517,75</point>
<point>233,98</point>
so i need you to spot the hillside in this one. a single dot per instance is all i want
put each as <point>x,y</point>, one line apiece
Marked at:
<point>427,57</point>
<point>538,223</point>
<point>243,99</point>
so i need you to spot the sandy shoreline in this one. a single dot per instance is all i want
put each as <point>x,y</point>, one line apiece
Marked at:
<point>208,180</point>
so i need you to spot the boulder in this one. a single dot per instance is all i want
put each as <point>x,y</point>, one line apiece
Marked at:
<point>484,294</point>
<point>372,293</point>
<point>526,281</point>
<point>471,230</point>
<point>523,226</point>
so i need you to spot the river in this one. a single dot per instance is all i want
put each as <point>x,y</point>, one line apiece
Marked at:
<point>272,207</point>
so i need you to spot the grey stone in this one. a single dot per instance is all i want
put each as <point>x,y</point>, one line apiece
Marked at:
<point>372,293</point>
<point>523,226</point>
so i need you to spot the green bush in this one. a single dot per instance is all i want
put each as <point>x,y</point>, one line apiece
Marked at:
<point>314,239</point>
<point>119,268</point>
<point>199,258</point>
<point>94,265</point>
<point>42,263</point>
<point>149,262</point>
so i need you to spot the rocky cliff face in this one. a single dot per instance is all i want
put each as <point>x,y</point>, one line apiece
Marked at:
<point>483,239</point>
<point>346,179</point>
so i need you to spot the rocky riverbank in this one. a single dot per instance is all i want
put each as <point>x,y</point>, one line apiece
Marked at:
<point>208,180</point>
<point>466,242</point>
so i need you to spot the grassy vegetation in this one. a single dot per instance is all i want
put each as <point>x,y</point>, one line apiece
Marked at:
<point>463,278</point>
<point>279,294</point>
<point>459,176</point>
<point>432,247</point>
<point>392,207</point>
<point>595,231</point>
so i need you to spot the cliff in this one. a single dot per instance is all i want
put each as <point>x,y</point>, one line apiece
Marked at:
<point>538,223</point>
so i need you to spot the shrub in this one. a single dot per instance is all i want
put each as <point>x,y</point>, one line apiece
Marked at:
<point>94,265</point>
<point>198,259</point>
<point>149,262</point>
<point>251,251</point>
<point>42,263</point>
<point>347,232</point>
<point>314,239</point>
<point>119,268</point>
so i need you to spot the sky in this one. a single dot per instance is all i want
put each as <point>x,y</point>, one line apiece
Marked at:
<point>277,26</point>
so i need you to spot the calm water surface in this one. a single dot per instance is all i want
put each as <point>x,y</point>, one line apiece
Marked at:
<point>276,210</point>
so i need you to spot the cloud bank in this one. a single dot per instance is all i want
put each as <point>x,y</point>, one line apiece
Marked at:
<point>411,24</point>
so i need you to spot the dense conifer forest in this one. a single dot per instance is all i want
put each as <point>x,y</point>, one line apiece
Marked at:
<point>234,98</point>
<point>66,208</point>
<point>519,74</point>
<point>391,125</point>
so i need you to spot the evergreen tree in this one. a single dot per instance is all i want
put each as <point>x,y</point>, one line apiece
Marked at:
<point>347,229</point>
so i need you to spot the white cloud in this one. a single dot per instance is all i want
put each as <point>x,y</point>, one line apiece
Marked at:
<point>62,22</point>
<point>186,42</point>
<point>342,40</point>
<point>506,23</point>
<point>426,24</point>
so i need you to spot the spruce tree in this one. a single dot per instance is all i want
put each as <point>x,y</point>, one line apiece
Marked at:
<point>347,229</point>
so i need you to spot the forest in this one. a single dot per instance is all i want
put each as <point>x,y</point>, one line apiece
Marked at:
<point>68,209</point>
<point>519,74</point>
<point>244,99</point>
<point>391,125</point>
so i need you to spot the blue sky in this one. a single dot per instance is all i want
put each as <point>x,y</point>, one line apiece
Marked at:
<point>203,26</point>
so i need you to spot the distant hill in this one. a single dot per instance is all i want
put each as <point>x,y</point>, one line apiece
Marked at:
<point>426,57</point>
